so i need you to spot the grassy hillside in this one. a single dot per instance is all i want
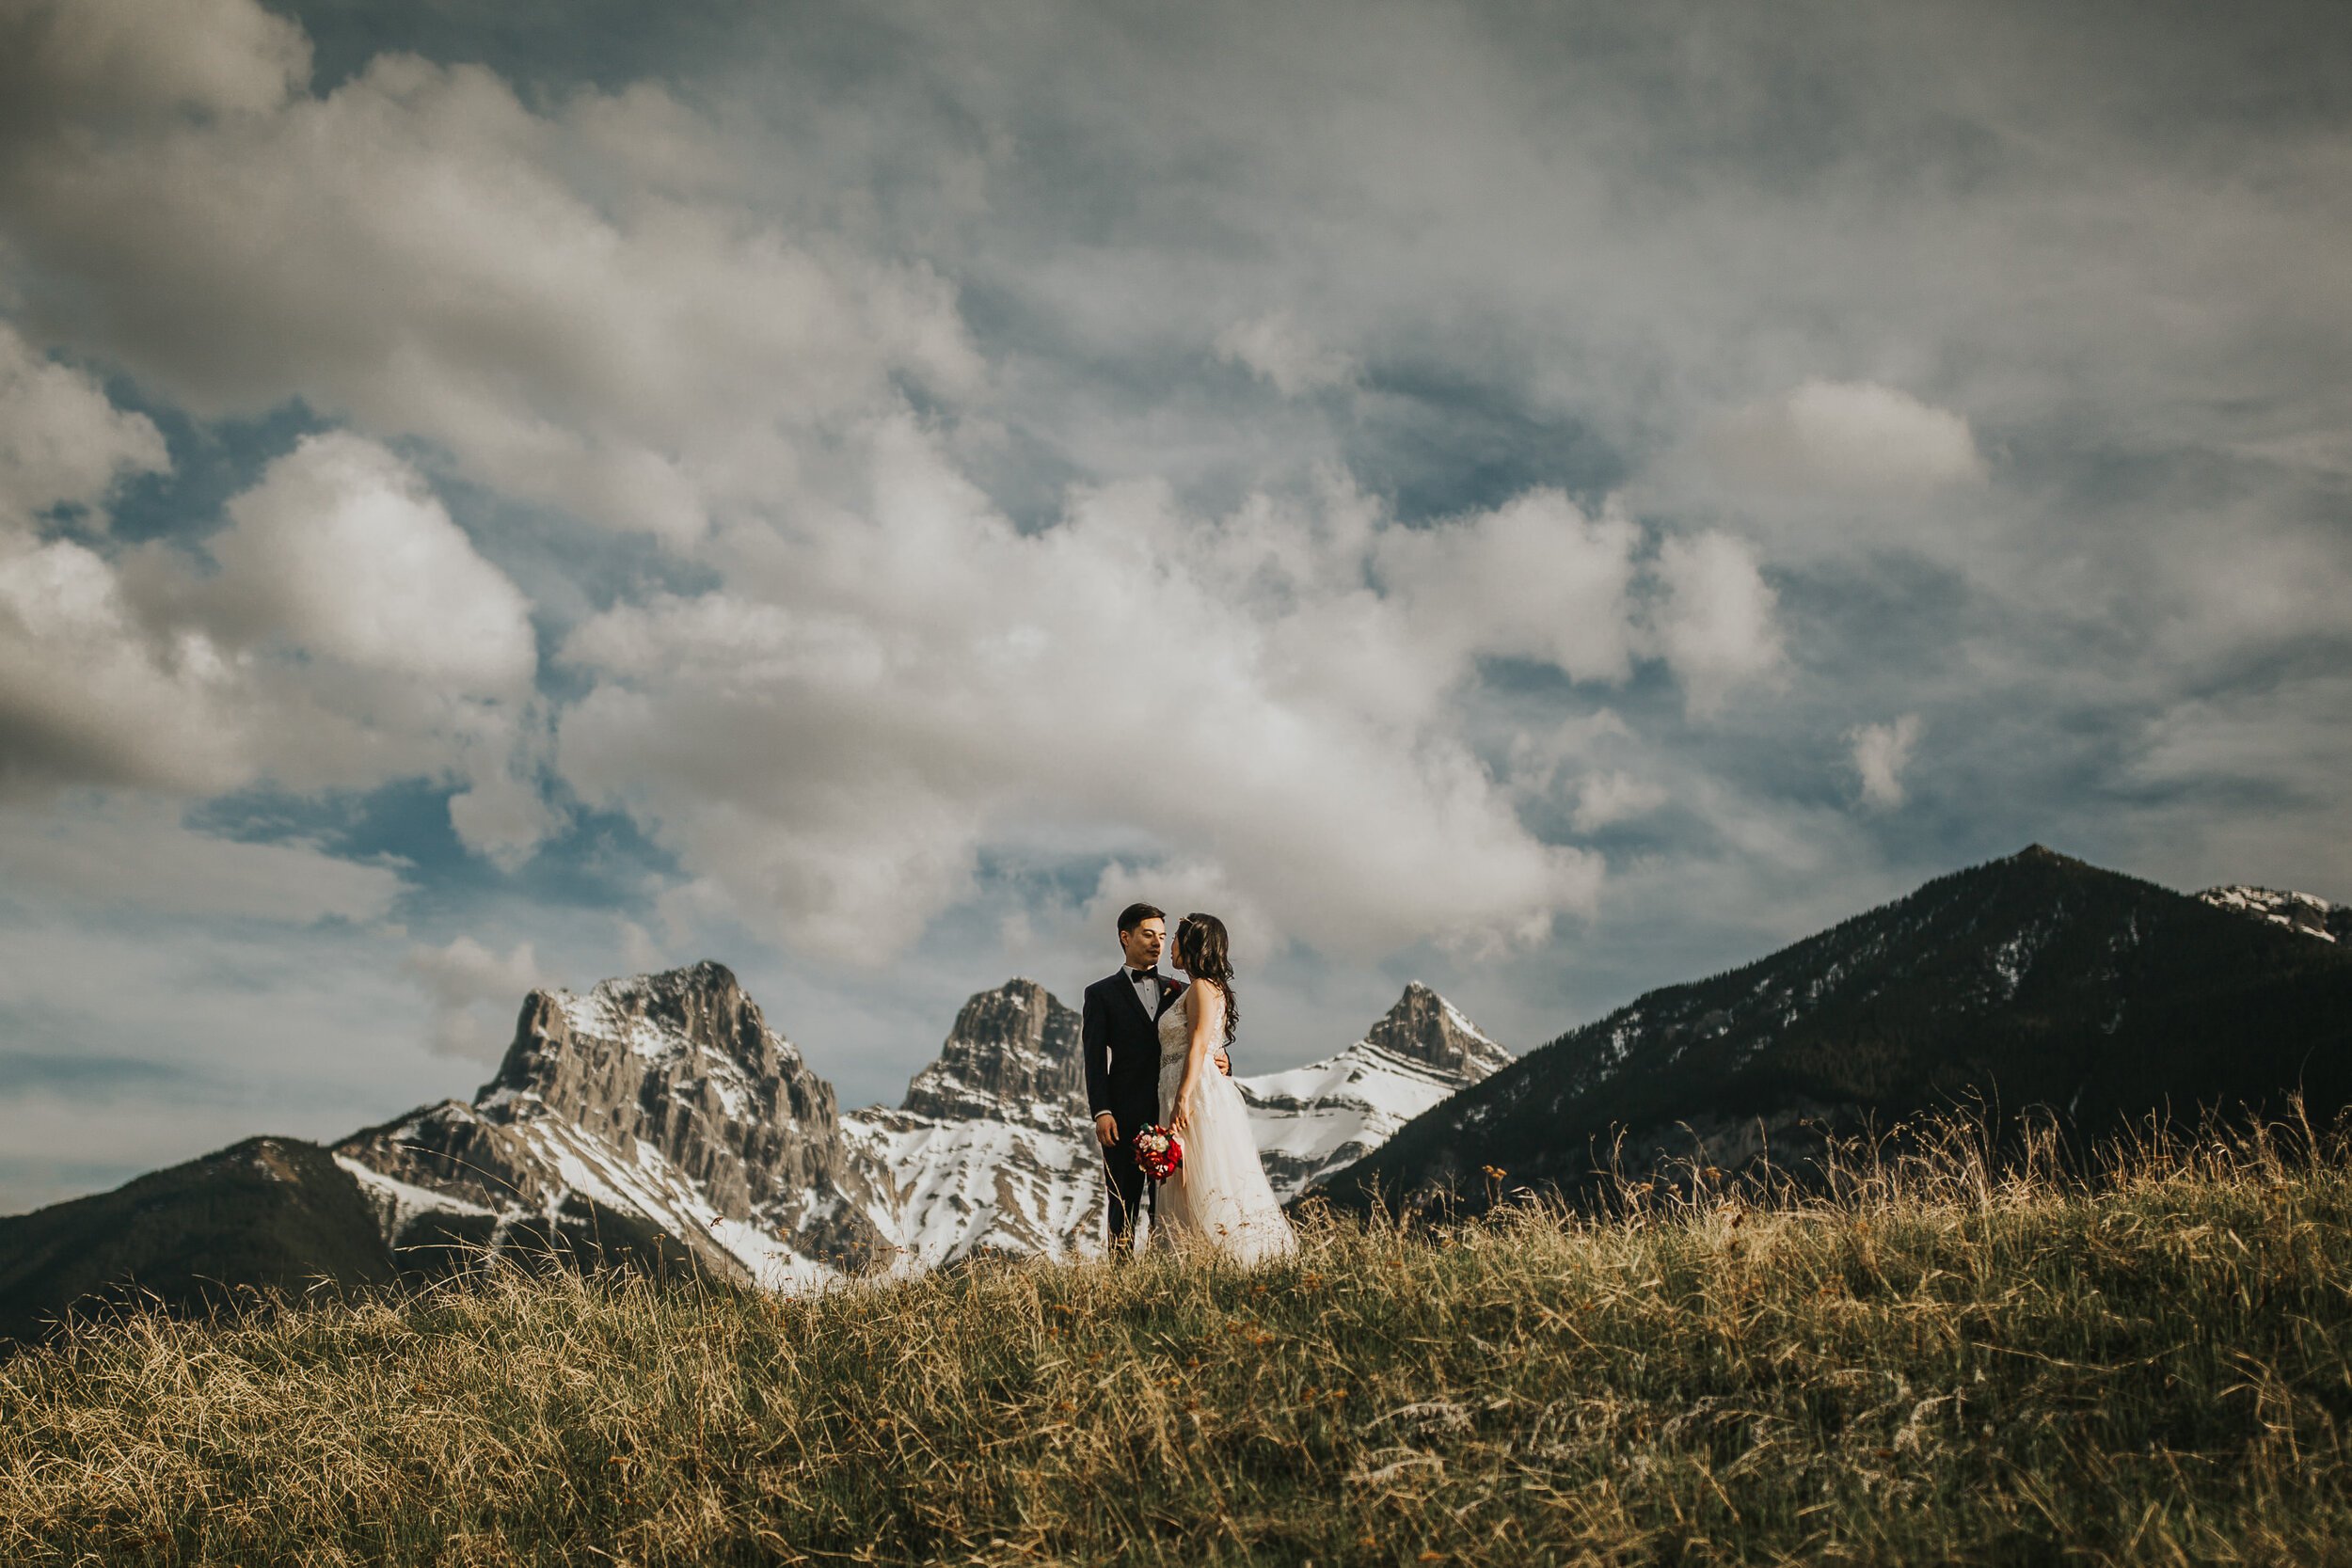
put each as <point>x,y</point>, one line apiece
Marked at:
<point>1931,1366</point>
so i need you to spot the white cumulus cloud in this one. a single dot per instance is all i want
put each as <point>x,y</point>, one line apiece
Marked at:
<point>343,548</point>
<point>1533,578</point>
<point>1881,754</point>
<point>1846,436</point>
<point>419,253</point>
<point>1717,626</point>
<point>828,743</point>
<point>345,633</point>
<point>1606,799</point>
<point>89,693</point>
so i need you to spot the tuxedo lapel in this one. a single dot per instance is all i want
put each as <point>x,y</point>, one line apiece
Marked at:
<point>1168,996</point>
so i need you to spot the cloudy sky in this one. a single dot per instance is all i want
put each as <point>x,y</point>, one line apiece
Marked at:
<point>1546,500</point>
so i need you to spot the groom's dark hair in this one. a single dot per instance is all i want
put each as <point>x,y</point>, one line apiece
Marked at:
<point>1136,914</point>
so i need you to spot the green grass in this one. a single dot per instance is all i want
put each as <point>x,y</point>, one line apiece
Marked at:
<point>1935,1366</point>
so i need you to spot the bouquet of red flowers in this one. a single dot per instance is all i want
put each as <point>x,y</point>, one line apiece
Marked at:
<point>1158,1153</point>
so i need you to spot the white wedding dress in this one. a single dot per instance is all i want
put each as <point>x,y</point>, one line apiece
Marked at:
<point>1219,1196</point>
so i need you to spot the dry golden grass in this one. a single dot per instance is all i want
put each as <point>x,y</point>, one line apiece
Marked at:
<point>1934,1366</point>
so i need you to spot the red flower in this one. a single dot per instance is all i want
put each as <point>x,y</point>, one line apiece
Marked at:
<point>1158,1152</point>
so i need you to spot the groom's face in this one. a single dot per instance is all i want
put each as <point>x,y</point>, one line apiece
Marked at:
<point>1143,944</point>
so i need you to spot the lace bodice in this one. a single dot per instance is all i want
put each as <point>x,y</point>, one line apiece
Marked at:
<point>1175,1040</point>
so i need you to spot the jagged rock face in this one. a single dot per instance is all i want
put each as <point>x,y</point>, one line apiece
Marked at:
<point>1013,1055</point>
<point>450,1151</point>
<point>1315,1120</point>
<point>1423,1027</point>
<point>994,1152</point>
<point>666,1105</point>
<point>666,1094</point>
<point>2296,911</point>
<point>685,1062</point>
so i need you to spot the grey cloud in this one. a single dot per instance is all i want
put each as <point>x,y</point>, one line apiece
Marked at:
<point>61,439</point>
<point>128,851</point>
<point>475,991</point>
<point>415,250</point>
<point>1277,348</point>
<point>122,56</point>
<point>1881,754</point>
<point>346,634</point>
<point>1847,436</point>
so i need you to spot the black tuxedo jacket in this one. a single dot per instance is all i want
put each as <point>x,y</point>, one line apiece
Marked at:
<point>1121,1046</point>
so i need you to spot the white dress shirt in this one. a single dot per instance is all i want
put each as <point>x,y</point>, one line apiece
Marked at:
<point>1147,991</point>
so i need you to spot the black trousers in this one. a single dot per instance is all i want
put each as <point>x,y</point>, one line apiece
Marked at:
<point>1131,1191</point>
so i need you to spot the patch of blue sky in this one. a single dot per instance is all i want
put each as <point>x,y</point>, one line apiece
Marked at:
<point>211,463</point>
<point>600,860</point>
<point>1435,444</point>
<point>547,44</point>
<point>567,572</point>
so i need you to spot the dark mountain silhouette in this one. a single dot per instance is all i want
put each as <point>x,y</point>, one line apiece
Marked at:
<point>2033,982</point>
<point>267,1214</point>
<point>280,1215</point>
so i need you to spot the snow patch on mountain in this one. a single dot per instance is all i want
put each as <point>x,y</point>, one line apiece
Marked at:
<point>667,1096</point>
<point>397,1202</point>
<point>993,1149</point>
<point>2297,911</point>
<point>1311,1120</point>
<point>957,1187</point>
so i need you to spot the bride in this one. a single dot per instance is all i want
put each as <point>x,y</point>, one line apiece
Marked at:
<point>1218,1195</point>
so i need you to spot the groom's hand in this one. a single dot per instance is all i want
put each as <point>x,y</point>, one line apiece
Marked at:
<point>1224,1063</point>
<point>1107,1129</point>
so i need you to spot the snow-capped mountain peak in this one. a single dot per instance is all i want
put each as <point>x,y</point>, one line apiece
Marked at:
<point>662,1095</point>
<point>2296,911</point>
<point>1425,1028</point>
<point>667,1099</point>
<point>1311,1120</point>
<point>994,1150</point>
<point>1013,1055</point>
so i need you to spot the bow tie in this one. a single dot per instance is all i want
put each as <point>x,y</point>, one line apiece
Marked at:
<point>1139,975</point>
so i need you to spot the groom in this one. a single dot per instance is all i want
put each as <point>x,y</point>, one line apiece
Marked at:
<point>1119,1034</point>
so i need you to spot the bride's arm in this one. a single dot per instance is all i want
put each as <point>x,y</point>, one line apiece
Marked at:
<point>1204,1005</point>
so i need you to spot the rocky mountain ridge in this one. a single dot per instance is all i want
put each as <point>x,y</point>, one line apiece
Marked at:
<point>1318,1118</point>
<point>664,1096</point>
<point>2033,981</point>
<point>663,1108</point>
<point>2297,911</point>
<point>992,1150</point>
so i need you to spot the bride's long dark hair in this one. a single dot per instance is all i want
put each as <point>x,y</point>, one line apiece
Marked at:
<point>1200,952</point>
